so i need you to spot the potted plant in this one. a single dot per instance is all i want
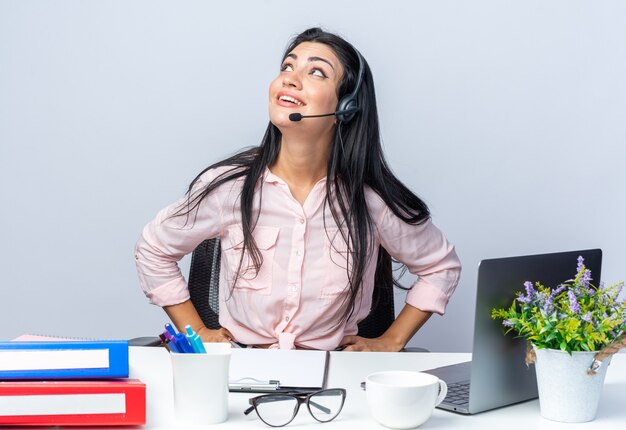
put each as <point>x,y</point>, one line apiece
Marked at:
<point>572,332</point>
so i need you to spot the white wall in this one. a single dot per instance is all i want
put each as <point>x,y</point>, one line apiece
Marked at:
<point>508,118</point>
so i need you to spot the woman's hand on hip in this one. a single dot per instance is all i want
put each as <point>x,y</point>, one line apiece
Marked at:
<point>358,343</point>
<point>219,335</point>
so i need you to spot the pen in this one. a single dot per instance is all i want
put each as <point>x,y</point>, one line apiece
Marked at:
<point>178,339</point>
<point>164,342</point>
<point>171,341</point>
<point>171,330</point>
<point>183,343</point>
<point>234,344</point>
<point>194,340</point>
<point>249,384</point>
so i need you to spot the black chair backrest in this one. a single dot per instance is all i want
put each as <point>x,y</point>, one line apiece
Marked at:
<point>204,279</point>
<point>204,276</point>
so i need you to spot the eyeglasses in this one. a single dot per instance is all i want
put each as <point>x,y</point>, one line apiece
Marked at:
<point>277,410</point>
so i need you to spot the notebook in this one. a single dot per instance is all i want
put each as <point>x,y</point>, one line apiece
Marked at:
<point>261,370</point>
<point>497,375</point>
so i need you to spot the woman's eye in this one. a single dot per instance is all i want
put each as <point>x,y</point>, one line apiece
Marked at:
<point>287,68</point>
<point>318,72</point>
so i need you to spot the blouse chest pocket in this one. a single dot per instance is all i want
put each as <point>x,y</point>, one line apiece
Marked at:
<point>248,278</point>
<point>339,259</point>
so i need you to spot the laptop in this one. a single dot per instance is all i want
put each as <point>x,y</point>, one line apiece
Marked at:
<point>497,375</point>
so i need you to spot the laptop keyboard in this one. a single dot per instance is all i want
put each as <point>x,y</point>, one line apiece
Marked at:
<point>458,394</point>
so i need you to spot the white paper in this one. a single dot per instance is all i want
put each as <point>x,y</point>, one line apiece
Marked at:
<point>63,404</point>
<point>293,368</point>
<point>35,359</point>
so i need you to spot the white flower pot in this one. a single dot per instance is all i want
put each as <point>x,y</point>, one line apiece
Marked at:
<point>566,392</point>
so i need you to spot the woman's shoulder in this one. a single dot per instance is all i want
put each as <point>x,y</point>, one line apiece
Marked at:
<point>375,203</point>
<point>218,181</point>
<point>220,172</point>
<point>230,169</point>
<point>381,212</point>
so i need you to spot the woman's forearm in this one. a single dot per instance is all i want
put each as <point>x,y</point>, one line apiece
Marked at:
<point>409,321</point>
<point>184,313</point>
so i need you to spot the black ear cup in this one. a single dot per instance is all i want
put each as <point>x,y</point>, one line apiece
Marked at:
<point>348,105</point>
<point>347,109</point>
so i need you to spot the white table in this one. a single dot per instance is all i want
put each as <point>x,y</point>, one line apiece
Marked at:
<point>347,370</point>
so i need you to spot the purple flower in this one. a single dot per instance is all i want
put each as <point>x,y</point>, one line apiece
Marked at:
<point>587,317</point>
<point>530,291</point>
<point>547,305</point>
<point>558,290</point>
<point>581,263</point>
<point>507,323</point>
<point>586,278</point>
<point>573,304</point>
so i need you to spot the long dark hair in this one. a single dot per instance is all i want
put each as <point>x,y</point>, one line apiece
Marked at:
<point>356,160</point>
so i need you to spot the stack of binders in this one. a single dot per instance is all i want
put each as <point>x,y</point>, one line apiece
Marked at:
<point>69,382</point>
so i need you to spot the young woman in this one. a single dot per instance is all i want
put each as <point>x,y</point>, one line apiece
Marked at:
<point>304,219</point>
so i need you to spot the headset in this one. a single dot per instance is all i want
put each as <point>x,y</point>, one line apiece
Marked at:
<point>348,106</point>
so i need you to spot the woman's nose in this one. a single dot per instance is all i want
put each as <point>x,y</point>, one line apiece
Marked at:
<point>292,80</point>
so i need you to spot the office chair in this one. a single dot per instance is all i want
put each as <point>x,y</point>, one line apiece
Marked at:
<point>204,278</point>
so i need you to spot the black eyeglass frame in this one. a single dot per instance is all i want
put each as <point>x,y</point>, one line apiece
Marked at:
<point>301,397</point>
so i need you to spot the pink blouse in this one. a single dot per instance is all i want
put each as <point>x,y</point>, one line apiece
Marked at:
<point>300,288</point>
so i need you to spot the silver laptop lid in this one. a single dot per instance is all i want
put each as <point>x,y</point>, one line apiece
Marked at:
<point>499,376</point>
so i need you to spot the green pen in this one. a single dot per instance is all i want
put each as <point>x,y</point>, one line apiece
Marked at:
<point>194,340</point>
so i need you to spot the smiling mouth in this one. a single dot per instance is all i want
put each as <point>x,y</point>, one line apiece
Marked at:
<point>291,100</point>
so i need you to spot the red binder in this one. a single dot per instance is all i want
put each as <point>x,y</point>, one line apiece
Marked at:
<point>115,402</point>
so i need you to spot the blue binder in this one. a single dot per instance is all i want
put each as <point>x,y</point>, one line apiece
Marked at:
<point>66,359</point>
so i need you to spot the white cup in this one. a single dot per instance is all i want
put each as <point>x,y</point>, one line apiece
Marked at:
<point>403,399</point>
<point>201,385</point>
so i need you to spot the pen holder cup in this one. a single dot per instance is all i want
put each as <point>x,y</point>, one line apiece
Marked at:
<point>201,385</point>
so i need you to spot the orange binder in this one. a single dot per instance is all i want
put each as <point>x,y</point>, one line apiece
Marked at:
<point>68,403</point>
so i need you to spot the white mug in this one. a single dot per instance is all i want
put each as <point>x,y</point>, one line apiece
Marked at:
<point>201,385</point>
<point>403,399</point>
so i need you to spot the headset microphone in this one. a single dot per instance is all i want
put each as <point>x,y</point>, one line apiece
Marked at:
<point>347,106</point>
<point>298,116</point>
